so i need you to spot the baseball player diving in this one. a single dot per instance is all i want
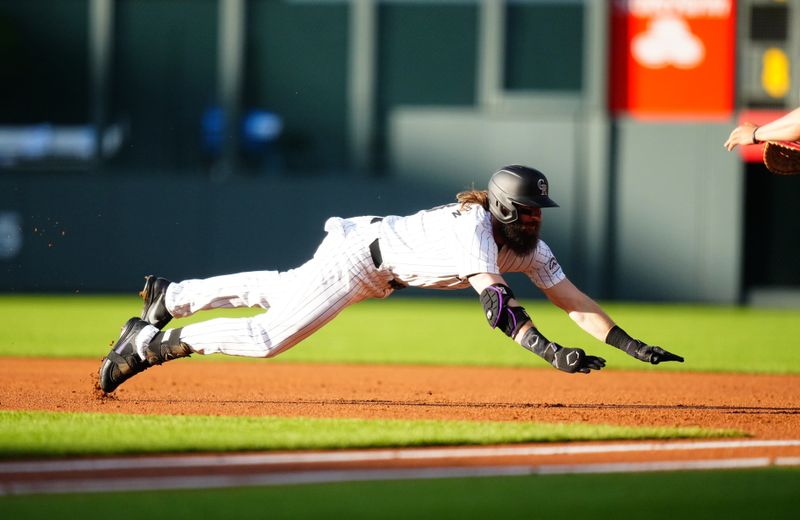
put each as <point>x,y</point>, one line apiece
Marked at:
<point>469,243</point>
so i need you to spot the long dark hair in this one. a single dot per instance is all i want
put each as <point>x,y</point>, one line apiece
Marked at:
<point>480,197</point>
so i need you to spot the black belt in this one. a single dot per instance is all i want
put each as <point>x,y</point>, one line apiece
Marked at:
<point>377,257</point>
<point>375,251</point>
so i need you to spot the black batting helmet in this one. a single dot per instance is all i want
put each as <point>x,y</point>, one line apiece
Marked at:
<point>518,185</point>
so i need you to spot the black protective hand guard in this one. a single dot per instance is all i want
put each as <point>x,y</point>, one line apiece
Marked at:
<point>639,349</point>
<point>535,341</point>
<point>495,300</point>
<point>576,360</point>
<point>569,360</point>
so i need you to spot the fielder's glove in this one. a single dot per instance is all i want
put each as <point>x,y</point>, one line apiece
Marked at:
<point>782,157</point>
<point>567,359</point>
<point>639,349</point>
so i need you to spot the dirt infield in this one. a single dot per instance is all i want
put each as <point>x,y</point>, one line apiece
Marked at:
<point>764,407</point>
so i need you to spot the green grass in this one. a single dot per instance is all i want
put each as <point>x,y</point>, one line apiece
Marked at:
<point>26,434</point>
<point>764,493</point>
<point>400,330</point>
<point>436,331</point>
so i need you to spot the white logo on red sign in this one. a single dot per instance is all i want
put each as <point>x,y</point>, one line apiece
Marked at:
<point>668,40</point>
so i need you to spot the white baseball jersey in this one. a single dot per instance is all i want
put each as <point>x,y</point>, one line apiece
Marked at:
<point>441,247</point>
<point>438,248</point>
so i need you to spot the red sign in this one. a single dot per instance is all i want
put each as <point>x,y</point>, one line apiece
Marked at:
<point>673,58</point>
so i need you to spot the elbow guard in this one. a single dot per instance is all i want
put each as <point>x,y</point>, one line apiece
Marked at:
<point>495,300</point>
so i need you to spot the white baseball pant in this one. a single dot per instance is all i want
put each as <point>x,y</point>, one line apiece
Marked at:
<point>298,302</point>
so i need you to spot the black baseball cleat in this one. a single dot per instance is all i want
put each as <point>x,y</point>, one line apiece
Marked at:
<point>154,293</point>
<point>122,362</point>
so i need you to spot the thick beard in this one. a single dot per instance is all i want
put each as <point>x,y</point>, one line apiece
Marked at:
<point>520,239</point>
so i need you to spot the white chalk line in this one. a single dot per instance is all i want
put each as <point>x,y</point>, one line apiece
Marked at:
<point>333,476</point>
<point>267,459</point>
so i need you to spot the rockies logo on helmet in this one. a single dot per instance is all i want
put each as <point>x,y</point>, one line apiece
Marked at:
<point>515,185</point>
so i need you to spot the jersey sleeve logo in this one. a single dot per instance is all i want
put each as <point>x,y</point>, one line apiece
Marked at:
<point>552,265</point>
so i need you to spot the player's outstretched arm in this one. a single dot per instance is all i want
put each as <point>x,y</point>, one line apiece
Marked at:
<point>584,311</point>
<point>785,128</point>
<point>591,318</point>
<point>639,349</point>
<point>504,312</point>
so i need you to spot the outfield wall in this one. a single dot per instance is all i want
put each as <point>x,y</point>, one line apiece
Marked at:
<point>675,233</point>
<point>91,233</point>
<point>658,215</point>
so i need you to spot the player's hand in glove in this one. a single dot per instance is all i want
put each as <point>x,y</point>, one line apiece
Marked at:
<point>567,359</point>
<point>639,349</point>
<point>650,354</point>
<point>573,359</point>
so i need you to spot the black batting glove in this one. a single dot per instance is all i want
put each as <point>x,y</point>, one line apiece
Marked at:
<point>651,354</point>
<point>569,360</point>
<point>639,349</point>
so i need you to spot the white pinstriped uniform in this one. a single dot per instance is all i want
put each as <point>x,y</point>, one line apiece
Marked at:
<point>440,248</point>
<point>436,248</point>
